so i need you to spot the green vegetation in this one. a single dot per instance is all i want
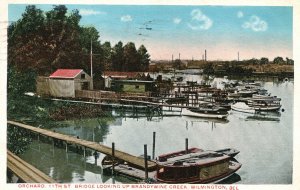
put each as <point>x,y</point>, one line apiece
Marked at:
<point>45,41</point>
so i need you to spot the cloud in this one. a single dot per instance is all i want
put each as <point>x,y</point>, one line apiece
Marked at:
<point>87,12</point>
<point>199,21</point>
<point>177,20</point>
<point>256,24</point>
<point>240,14</point>
<point>126,18</point>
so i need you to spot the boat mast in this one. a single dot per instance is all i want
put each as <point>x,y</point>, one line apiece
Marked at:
<point>92,83</point>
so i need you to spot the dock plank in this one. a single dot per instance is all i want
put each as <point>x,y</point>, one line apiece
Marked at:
<point>134,160</point>
<point>25,171</point>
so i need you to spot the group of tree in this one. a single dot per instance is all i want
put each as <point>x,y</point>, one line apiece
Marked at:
<point>277,60</point>
<point>45,41</point>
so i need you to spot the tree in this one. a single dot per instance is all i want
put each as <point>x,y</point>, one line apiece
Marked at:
<point>278,60</point>
<point>131,58</point>
<point>177,63</point>
<point>106,55</point>
<point>118,56</point>
<point>289,61</point>
<point>25,40</point>
<point>63,42</point>
<point>208,68</point>
<point>264,61</point>
<point>144,58</point>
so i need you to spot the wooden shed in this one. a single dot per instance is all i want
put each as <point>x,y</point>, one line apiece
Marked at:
<point>64,82</point>
<point>135,86</point>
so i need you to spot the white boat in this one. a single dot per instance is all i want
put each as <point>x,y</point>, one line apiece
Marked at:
<point>205,113</point>
<point>242,107</point>
<point>265,103</point>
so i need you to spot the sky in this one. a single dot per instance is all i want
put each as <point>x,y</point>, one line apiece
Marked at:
<point>166,30</point>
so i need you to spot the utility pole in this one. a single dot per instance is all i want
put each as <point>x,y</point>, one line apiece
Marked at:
<point>92,82</point>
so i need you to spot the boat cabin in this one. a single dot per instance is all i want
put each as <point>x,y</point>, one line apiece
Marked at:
<point>195,167</point>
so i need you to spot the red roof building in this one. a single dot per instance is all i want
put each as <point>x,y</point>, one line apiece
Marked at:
<point>66,73</point>
<point>64,82</point>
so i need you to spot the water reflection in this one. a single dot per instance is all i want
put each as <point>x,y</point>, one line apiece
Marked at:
<point>261,116</point>
<point>67,167</point>
<point>260,138</point>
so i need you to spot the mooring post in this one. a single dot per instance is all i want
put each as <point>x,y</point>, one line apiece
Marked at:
<point>53,144</point>
<point>153,147</point>
<point>66,147</point>
<point>113,158</point>
<point>186,145</point>
<point>146,161</point>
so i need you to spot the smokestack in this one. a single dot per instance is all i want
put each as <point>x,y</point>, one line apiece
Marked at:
<point>179,56</point>
<point>238,56</point>
<point>205,56</point>
<point>172,58</point>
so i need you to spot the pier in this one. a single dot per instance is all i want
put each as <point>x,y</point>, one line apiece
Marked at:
<point>133,160</point>
<point>25,171</point>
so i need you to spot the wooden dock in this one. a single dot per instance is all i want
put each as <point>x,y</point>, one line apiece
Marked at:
<point>134,160</point>
<point>25,171</point>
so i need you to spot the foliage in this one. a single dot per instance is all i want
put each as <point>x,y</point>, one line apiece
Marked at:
<point>278,60</point>
<point>208,68</point>
<point>264,61</point>
<point>45,41</point>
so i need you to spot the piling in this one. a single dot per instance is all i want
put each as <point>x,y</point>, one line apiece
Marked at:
<point>53,144</point>
<point>66,147</point>
<point>186,145</point>
<point>146,161</point>
<point>153,146</point>
<point>113,158</point>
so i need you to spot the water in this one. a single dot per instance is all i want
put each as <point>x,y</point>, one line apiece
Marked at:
<point>265,143</point>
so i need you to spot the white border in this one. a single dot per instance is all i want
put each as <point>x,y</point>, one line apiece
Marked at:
<point>296,52</point>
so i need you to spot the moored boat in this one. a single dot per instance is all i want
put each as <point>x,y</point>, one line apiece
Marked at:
<point>242,107</point>
<point>195,167</point>
<point>205,112</point>
<point>187,166</point>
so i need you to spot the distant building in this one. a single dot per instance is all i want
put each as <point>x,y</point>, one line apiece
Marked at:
<point>64,82</point>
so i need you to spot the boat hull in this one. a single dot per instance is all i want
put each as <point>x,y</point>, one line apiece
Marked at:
<point>242,107</point>
<point>186,112</point>
<point>234,166</point>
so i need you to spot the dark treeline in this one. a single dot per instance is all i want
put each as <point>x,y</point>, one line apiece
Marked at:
<point>45,41</point>
<point>244,67</point>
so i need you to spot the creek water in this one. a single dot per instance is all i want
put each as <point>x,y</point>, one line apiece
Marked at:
<point>265,142</point>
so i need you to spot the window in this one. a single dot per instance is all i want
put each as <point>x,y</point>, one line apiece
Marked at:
<point>137,86</point>
<point>82,76</point>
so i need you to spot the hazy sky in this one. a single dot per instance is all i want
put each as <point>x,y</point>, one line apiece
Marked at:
<point>223,31</point>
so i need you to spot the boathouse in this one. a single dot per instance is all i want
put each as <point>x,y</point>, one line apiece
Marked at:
<point>64,82</point>
<point>135,86</point>
<point>111,76</point>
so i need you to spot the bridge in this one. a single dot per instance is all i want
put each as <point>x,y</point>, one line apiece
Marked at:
<point>26,172</point>
<point>135,161</point>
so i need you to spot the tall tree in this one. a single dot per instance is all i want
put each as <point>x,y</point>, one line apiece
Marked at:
<point>131,58</point>
<point>63,38</point>
<point>144,58</point>
<point>25,40</point>
<point>118,56</point>
<point>106,55</point>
